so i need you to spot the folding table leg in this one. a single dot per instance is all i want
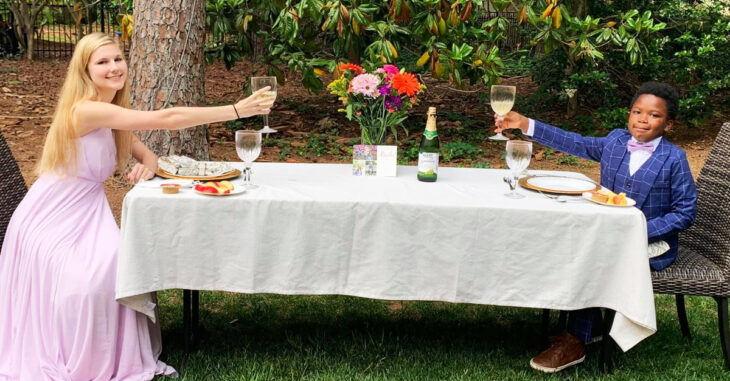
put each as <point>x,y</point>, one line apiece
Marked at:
<point>546,322</point>
<point>186,321</point>
<point>605,364</point>
<point>195,312</point>
<point>191,319</point>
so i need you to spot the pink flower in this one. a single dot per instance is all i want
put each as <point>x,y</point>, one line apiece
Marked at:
<point>358,113</point>
<point>366,84</point>
<point>389,71</point>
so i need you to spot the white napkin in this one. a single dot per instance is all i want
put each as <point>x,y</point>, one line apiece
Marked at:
<point>658,248</point>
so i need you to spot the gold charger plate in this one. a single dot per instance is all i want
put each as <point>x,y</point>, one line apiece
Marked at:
<point>230,175</point>
<point>558,184</point>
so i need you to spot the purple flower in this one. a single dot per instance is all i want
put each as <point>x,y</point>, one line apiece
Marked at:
<point>384,90</point>
<point>393,102</point>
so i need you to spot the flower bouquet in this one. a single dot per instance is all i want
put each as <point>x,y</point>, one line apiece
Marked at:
<point>378,101</point>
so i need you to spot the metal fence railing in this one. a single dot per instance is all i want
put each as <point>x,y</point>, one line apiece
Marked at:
<point>60,26</point>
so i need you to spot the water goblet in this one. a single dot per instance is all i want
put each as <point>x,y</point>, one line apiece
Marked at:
<point>259,83</point>
<point>518,158</point>
<point>501,98</point>
<point>248,148</point>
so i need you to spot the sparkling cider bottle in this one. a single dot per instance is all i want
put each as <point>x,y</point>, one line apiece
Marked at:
<point>428,153</point>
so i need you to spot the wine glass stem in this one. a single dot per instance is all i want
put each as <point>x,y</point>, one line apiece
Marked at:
<point>247,174</point>
<point>266,121</point>
<point>514,190</point>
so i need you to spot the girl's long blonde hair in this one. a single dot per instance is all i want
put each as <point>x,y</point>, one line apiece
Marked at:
<point>60,152</point>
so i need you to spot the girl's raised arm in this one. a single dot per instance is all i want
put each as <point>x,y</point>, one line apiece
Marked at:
<point>93,115</point>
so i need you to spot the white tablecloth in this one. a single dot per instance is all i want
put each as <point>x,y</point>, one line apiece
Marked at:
<point>316,229</point>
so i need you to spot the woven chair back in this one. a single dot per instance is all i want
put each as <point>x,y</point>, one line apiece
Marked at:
<point>12,186</point>
<point>710,234</point>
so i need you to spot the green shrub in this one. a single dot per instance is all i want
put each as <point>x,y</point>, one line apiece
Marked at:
<point>460,150</point>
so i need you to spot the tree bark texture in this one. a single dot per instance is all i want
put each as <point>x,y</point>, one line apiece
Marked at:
<point>167,69</point>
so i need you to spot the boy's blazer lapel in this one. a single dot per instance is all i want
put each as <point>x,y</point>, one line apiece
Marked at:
<point>647,173</point>
<point>618,151</point>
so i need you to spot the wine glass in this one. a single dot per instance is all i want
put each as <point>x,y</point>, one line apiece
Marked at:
<point>248,148</point>
<point>518,158</point>
<point>501,98</point>
<point>260,83</point>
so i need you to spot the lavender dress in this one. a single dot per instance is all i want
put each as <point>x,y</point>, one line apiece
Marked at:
<point>58,316</point>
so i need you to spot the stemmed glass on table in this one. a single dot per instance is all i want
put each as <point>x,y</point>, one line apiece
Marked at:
<point>518,158</point>
<point>501,98</point>
<point>259,83</point>
<point>248,148</point>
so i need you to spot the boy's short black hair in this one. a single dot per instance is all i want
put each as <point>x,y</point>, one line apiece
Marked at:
<point>661,90</point>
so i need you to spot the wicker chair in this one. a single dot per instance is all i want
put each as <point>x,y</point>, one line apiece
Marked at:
<point>12,188</point>
<point>703,264</point>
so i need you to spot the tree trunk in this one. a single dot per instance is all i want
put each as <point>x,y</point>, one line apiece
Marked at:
<point>25,15</point>
<point>167,69</point>
<point>28,31</point>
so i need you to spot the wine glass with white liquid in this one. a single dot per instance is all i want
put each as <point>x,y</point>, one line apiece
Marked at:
<point>518,158</point>
<point>259,83</point>
<point>248,148</point>
<point>501,98</point>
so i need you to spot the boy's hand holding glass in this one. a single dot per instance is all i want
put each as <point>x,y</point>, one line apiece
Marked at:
<point>511,121</point>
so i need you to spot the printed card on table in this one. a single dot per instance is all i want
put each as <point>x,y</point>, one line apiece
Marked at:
<point>370,160</point>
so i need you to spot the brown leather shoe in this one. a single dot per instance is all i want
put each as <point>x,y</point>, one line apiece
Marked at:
<point>567,351</point>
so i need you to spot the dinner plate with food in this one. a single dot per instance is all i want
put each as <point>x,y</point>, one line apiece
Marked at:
<point>182,167</point>
<point>218,188</point>
<point>608,198</point>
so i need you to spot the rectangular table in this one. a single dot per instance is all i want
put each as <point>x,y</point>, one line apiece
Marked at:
<point>316,229</point>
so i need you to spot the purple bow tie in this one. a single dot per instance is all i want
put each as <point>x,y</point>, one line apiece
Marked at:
<point>639,146</point>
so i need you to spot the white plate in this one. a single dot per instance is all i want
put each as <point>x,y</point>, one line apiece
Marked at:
<point>629,201</point>
<point>156,184</point>
<point>560,184</point>
<point>234,191</point>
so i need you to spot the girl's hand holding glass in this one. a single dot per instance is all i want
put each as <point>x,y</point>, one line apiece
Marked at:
<point>269,96</point>
<point>254,104</point>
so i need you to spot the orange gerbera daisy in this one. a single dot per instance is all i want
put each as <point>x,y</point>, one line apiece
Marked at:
<point>348,66</point>
<point>406,83</point>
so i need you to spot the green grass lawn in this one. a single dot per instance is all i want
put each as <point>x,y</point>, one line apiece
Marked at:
<point>278,337</point>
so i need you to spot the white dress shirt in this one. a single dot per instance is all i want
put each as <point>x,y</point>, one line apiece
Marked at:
<point>636,158</point>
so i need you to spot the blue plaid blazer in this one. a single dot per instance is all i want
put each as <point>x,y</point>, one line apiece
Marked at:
<point>663,187</point>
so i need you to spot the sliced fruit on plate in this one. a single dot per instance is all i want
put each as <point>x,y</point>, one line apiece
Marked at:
<point>215,187</point>
<point>607,197</point>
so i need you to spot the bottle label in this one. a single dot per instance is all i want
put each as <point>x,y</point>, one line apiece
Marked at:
<point>430,135</point>
<point>428,163</point>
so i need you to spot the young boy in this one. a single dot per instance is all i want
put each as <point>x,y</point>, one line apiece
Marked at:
<point>639,162</point>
